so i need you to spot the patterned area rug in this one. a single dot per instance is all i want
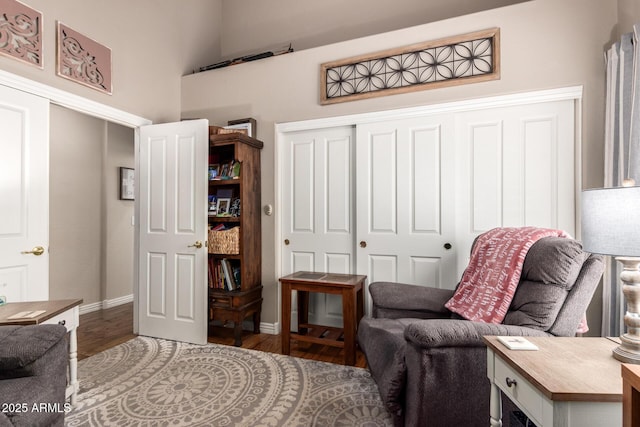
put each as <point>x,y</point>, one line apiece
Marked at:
<point>152,382</point>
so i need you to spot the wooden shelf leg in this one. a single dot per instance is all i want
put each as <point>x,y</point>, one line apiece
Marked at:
<point>237,332</point>
<point>286,318</point>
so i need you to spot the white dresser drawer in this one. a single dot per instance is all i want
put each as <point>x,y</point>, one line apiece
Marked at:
<point>69,319</point>
<point>520,392</point>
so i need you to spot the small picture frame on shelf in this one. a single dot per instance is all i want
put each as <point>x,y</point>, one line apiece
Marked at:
<point>224,171</point>
<point>213,205</point>
<point>127,183</point>
<point>224,204</point>
<point>234,210</point>
<point>246,126</point>
<point>214,171</point>
<point>235,169</point>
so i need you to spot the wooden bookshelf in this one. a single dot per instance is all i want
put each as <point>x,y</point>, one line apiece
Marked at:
<point>235,303</point>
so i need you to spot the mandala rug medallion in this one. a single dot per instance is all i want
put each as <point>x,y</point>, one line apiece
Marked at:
<point>152,382</point>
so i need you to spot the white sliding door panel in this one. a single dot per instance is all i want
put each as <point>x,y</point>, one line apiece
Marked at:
<point>425,180</point>
<point>382,177</point>
<point>318,213</point>
<point>405,198</point>
<point>337,175</point>
<point>303,186</point>
<point>540,174</point>
<point>515,171</point>
<point>486,175</point>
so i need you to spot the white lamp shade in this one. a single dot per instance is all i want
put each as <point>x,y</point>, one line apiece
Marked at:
<point>611,221</point>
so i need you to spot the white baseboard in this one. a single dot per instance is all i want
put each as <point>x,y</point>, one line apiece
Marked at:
<point>109,303</point>
<point>270,328</point>
<point>265,328</point>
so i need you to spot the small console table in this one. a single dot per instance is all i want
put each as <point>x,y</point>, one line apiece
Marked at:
<point>568,382</point>
<point>350,286</point>
<point>62,312</point>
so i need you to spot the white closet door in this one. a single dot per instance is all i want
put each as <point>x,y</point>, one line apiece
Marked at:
<point>24,196</point>
<point>318,210</point>
<point>405,201</point>
<point>516,167</point>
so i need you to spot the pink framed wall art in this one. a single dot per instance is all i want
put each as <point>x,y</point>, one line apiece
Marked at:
<point>83,60</point>
<point>21,32</point>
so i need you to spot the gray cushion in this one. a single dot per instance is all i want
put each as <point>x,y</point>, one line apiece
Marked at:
<point>554,260</point>
<point>535,305</point>
<point>550,270</point>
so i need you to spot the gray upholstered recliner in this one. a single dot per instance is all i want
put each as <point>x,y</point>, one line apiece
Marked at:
<point>33,375</point>
<point>430,364</point>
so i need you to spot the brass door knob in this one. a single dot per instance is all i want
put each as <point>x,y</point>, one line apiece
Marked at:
<point>197,244</point>
<point>363,244</point>
<point>286,241</point>
<point>37,251</point>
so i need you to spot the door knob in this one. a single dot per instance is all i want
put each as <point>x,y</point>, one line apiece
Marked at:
<point>363,244</point>
<point>37,251</point>
<point>197,244</point>
<point>447,246</point>
<point>286,241</point>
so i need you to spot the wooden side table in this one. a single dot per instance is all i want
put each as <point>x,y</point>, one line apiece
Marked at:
<point>568,382</point>
<point>630,395</point>
<point>62,312</point>
<point>350,286</point>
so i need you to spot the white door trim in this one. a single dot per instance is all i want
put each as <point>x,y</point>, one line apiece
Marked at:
<point>72,101</point>
<point>561,94</point>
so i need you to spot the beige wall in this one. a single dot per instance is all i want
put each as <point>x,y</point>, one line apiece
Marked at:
<point>153,44</point>
<point>545,44</point>
<point>628,14</point>
<point>75,208</point>
<point>91,236</point>
<point>118,229</point>
<point>252,26</point>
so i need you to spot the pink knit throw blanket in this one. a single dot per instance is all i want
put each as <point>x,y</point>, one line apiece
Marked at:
<point>490,280</point>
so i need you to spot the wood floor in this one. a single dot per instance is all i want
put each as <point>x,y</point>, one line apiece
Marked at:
<point>103,329</point>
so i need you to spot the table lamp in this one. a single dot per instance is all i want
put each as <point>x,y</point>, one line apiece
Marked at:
<point>611,226</point>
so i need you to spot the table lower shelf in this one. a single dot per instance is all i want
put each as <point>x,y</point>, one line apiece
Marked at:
<point>319,334</point>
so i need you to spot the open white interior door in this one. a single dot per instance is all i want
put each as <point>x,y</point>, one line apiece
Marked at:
<point>172,194</point>
<point>24,196</point>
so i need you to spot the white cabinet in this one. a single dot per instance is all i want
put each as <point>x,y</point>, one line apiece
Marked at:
<point>569,382</point>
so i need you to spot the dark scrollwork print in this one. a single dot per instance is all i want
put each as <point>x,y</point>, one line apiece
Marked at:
<point>83,60</point>
<point>406,70</point>
<point>78,63</point>
<point>20,32</point>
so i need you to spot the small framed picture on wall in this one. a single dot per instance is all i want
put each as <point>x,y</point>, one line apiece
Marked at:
<point>127,183</point>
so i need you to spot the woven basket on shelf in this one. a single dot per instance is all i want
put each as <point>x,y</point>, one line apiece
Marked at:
<point>225,241</point>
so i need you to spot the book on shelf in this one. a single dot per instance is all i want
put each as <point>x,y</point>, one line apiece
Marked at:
<point>223,275</point>
<point>229,280</point>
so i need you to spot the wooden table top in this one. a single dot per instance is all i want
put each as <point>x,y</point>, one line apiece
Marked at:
<point>52,308</point>
<point>567,369</point>
<point>319,278</point>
